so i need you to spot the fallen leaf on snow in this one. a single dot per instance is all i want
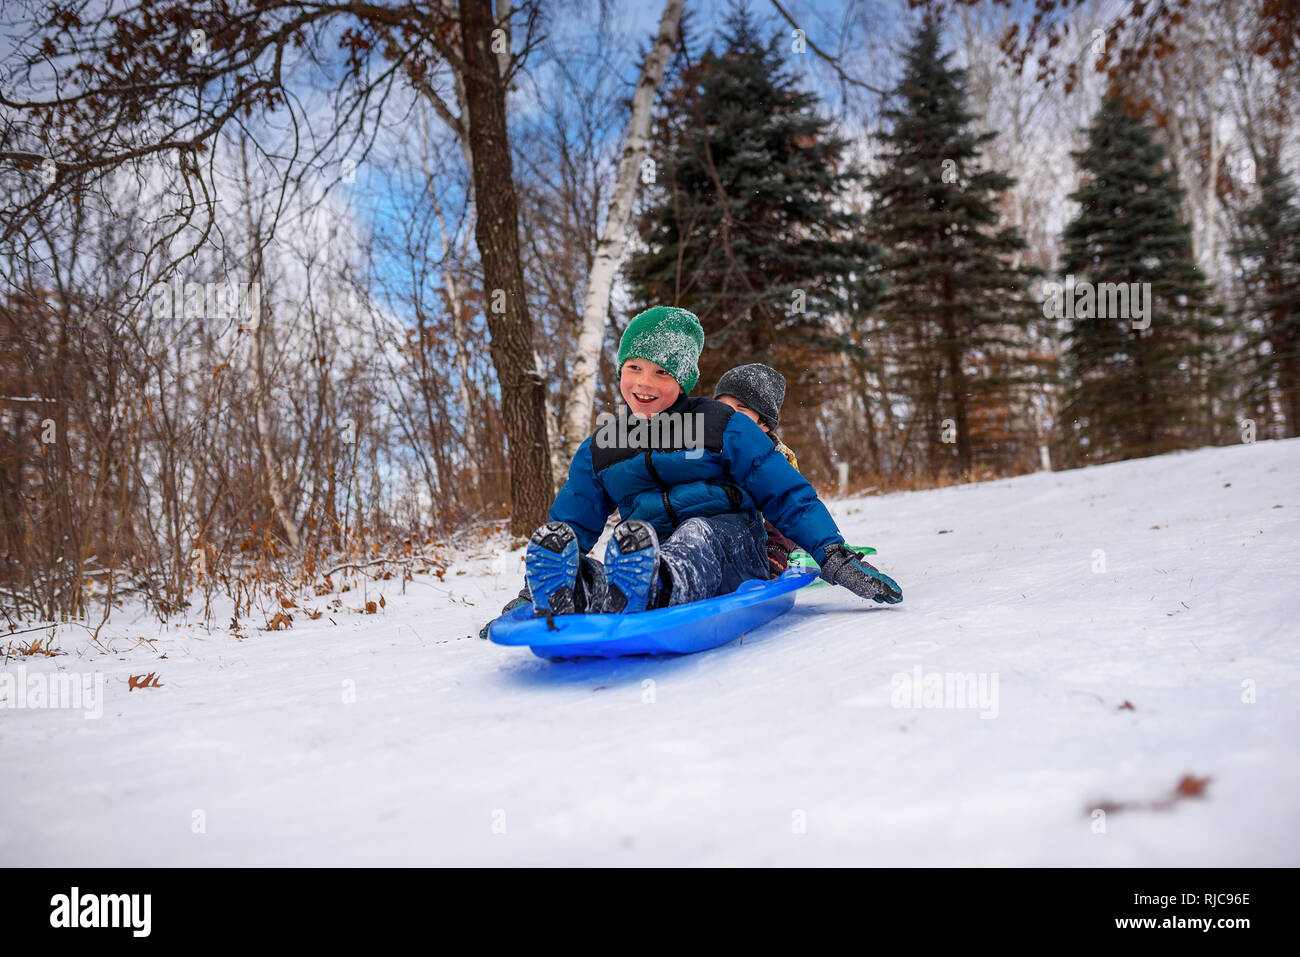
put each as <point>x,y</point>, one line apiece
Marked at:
<point>142,681</point>
<point>1188,786</point>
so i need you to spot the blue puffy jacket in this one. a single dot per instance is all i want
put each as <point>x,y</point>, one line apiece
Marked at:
<point>710,460</point>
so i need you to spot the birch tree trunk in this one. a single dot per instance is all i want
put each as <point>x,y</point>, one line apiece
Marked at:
<point>613,238</point>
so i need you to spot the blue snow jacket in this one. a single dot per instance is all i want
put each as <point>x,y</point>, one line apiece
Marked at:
<point>698,458</point>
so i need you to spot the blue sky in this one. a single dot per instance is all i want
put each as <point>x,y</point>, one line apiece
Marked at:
<point>571,29</point>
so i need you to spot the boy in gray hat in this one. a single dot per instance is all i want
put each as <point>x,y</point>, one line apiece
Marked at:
<point>758,391</point>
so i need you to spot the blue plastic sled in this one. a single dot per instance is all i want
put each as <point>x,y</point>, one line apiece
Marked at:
<point>677,630</point>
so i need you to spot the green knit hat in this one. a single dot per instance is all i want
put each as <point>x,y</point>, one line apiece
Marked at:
<point>666,336</point>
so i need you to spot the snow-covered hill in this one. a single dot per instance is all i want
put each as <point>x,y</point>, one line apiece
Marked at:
<point>1071,647</point>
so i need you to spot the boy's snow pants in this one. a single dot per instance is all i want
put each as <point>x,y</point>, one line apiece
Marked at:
<point>712,556</point>
<point>705,557</point>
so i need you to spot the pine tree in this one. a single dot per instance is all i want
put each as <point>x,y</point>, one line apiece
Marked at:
<point>1146,385</point>
<point>956,310</point>
<point>746,226</point>
<point>1269,253</point>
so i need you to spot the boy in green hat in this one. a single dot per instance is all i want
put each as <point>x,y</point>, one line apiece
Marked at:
<point>692,480</point>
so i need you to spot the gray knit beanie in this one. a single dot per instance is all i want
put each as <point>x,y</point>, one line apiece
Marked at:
<point>760,387</point>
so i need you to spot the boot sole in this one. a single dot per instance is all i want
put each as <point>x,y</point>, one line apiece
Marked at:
<point>551,569</point>
<point>631,568</point>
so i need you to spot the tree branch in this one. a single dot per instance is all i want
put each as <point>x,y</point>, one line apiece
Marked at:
<point>835,64</point>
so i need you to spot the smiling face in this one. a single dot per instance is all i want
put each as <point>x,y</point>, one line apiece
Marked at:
<point>647,388</point>
<point>739,406</point>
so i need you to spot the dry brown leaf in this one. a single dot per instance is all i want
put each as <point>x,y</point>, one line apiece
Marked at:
<point>142,681</point>
<point>1191,786</point>
<point>281,620</point>
<point>371,608</point>
<point>35,648</point>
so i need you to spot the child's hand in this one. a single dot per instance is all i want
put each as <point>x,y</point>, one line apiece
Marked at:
<point>845,567</point>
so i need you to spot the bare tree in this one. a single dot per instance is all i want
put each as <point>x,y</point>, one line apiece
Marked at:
<point>141,91</point>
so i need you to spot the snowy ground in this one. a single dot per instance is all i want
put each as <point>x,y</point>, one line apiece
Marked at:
<point>1170,584</point>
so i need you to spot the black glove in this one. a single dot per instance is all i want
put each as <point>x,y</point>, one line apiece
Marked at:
<point>845,567</point>
<point>520,599</point>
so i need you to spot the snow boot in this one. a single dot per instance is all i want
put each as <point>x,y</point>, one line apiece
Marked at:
<point>631,568</point>
<point>551,569</point>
